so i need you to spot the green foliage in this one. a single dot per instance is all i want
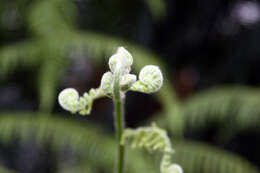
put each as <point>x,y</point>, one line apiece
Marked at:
<point>224,105</point>
<point>153,139</point>
<point>96,147</point>
<point>91,142</point>
<point>201,158</point>
<point>5,170</point>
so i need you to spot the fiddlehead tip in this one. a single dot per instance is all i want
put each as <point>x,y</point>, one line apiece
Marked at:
<point>121,58</point>
<point>150,80</point>
<point>106,82</point>
<point>174,168</point>
<point>127,81</point>
<point>126,54</point>
<point>69,100</point>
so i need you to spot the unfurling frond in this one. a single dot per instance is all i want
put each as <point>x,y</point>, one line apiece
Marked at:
<point>127,81</point>
<point>123,59</point>
<point>153,139</point>
<point>150,80</point>
<point>70,100</point>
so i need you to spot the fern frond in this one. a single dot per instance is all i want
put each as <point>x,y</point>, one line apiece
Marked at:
<point>93,144</point>
<point>34,54</point>
<point>51,17</point>
<point>239,106</point>
<point>201,158</point>
<point>153,139</point>
<point>24,53</point>
<point>194,157</point>
<point>98,148</point>
<point>49,76</point>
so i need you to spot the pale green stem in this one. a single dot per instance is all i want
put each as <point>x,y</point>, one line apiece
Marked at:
<point>166,161</point>
<point>119,120</point>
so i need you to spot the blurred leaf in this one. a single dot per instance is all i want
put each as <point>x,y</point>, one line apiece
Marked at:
<point>5,170</point>
<point>96,147</point>
<point>92,143</point>
<point>201,158</point>
<point>236,105</point>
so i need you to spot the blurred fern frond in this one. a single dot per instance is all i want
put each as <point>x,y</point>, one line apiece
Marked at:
<point>97,147</point>
<point>18,54</point>
<point>5,170</point>
<point>200,158</point>
<point>239,106</point>
<point>89,141</point>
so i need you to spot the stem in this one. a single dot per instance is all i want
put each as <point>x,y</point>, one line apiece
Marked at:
<point>119,120</point>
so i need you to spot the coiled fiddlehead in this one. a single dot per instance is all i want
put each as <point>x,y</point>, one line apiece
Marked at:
<point>70,100</point>
<point>153,139</point>
<point>121,58</point>
<point>150,80</point>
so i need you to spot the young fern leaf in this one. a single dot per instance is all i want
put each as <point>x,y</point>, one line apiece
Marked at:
<point>150,80</point>
<point>153,139</point>
<point>70,100</point>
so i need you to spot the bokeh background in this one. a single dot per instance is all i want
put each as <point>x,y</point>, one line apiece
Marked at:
<point>209,52</point>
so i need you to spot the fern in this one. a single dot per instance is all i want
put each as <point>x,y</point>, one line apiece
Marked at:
<point>51,17</point>
<point>238,105</point>
<point>48,79</point>
<point>153,139</point>
<point>96,45</point>
<point>201,158</point>
<point>24,53</point>
<point>96,146</point>
<point>92,143</point>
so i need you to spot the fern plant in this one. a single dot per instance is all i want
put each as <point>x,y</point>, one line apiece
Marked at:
<point>94,145</point>
<point>238,105</point>
<point>153,138</point>
<point>115,84</point>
